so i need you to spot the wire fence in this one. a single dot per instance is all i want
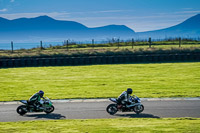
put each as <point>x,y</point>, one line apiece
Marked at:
<point>109,43</point>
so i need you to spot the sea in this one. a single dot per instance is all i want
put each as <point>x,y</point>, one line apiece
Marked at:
<point>19,45</point>
<point>16,46</point>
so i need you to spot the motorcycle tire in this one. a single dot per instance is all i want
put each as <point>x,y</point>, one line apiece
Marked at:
<point>21,110</point>
<point>138,110</point>
<point>112,109</point>
<point>50,110</point>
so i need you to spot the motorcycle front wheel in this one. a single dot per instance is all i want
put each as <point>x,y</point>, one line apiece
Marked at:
<point>138,109</point>
<point>21,110</point>
<point>49,109</point>
<point>112,109</point>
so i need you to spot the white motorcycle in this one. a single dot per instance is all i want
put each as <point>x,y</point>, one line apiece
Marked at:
<point>135,105</point>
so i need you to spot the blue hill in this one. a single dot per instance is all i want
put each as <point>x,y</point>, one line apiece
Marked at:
<point>46,28</point>
<point>190,28</point>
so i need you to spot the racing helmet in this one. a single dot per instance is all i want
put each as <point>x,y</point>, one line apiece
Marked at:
<point>41,93</point>
<point>129,91</point>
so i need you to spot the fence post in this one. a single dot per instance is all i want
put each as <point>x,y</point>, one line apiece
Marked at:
<point>93,43</point>
<point>12,46</point>
<point>67,45</point>
<point>179,42</point>
<point>132,42</point>
<point>41,45</point>
<point>118,43</point>
<point>150,42</point>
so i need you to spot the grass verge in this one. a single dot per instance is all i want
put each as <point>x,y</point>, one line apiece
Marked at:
<point>99,51</point>
<point>101,81</point>
<point>144,125</point>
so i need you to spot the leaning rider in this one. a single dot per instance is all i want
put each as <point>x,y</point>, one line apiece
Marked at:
<point>124,97</point>
<point>35,99</point>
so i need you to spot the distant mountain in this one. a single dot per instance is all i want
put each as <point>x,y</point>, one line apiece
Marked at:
<point>41,23</point>
<point>190,28</point>
<point>46,28</point>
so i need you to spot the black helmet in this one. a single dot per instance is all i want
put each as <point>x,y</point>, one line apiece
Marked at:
<point>129,91</point>
<point>41,93</point>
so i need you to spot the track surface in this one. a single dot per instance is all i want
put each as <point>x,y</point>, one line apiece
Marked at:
<point>94,110</point>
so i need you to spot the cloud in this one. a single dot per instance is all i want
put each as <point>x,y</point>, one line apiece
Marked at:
<point>102,12</point>
<point>188,12</point>
<point>111,11</point>
<point>3,10</point>
<point>12,1</point>
<point>187,8</point>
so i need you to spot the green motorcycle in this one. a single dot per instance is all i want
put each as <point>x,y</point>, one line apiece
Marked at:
<point>46,107</point>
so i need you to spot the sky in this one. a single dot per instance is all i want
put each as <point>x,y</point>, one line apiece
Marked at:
<point>139,15</point>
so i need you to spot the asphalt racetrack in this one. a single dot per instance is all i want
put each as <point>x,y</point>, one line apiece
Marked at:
<point>97,109</point>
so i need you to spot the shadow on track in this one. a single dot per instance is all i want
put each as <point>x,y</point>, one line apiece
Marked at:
<point>46,116</point>
<point>137,115</point>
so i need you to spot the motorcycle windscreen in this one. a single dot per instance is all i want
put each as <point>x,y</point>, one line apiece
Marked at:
<point>113,99</point>
<point>23,101</point>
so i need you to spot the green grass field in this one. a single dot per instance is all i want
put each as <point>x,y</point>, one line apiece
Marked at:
<point>132,125</point>
<point>101,81</point>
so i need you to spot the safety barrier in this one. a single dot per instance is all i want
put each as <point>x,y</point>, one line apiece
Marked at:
<point>90,60</point>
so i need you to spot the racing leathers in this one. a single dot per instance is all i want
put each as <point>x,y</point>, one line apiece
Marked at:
<point>124,98</point>
<point>35,100</point>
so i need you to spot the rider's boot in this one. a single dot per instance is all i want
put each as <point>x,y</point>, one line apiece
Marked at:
<point>37,107</point>
<point>119,106</point>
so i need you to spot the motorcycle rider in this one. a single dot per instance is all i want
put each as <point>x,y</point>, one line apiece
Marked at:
<point>35,99</point>
<point>124,97</point>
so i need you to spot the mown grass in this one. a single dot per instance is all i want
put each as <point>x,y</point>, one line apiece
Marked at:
<point>132,125</point>
<point>101,81</point>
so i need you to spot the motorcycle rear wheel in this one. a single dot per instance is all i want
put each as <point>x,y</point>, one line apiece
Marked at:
<point>50,110</point>
<point>138,109</point>
<point>21,110</point>
<point>112,109</point>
